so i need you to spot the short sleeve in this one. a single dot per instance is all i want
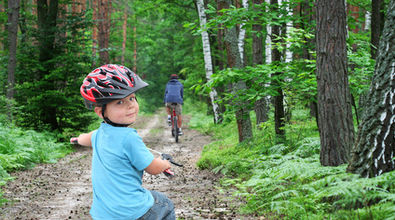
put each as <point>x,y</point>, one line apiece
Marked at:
<point>136,151</point>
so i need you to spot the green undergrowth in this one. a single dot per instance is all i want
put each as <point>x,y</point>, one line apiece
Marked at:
<point>286,180</point>
<point>22,149</point>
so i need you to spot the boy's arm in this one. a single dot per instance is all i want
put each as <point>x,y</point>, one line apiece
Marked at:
<point>157,166</point>
<point>84,139</point>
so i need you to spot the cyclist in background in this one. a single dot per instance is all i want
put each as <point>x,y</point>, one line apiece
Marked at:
<point>174,93</point>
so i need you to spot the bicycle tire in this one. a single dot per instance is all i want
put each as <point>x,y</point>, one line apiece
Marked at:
<point>176,129</point>
<point>172,126</point>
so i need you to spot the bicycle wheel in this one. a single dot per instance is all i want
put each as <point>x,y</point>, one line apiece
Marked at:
<point>172,126</point>
<point>175,129</point>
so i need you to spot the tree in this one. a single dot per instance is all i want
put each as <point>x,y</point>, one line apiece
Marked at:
<point>207,56</point>
<point>334,99</point>
<point>261,105</point>
<point>377,24</point>
<point>13,15</point>
<point>104,15</point>
<point>124,30</point>
<point>279,98</point>
<point>47,13</point>
<point>234,61</point>
<point>374,148</point>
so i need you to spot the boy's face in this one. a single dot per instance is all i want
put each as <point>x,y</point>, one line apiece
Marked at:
<point>123,111</point>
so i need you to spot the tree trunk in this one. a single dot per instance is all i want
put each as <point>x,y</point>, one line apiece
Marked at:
<point>377,23</point>
<point>47,13</point>
<point>334,99</point>
<point>104,30</point>
<point>279,114</point>
<point>135,48</point>
<point>261,106</point>
<point>207,57</point>
<point>47,16</point>
<point>94,31</point>
<point>13,15</point>
<point>124,29</point>
<point>374,149</point>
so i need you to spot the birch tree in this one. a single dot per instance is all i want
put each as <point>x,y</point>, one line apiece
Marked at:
<point>207,56</point>
<point>242,34</point>
<point>374,149</point>
<point>243,119</point>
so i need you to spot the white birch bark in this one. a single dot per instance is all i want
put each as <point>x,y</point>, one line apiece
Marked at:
<point>268,46</point>
<point>242,34</point>
<point>367,20</point>
<point>207,56</point>
<point>288,53</point>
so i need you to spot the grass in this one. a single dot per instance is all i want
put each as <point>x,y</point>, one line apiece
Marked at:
<point>287,180</point>
<point>22,149</point>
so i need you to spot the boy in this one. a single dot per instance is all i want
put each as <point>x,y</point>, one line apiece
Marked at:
<point>119,154</point>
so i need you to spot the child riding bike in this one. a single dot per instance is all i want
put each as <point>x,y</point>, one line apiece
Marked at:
<point>119,155</point>
<point>174,94</point>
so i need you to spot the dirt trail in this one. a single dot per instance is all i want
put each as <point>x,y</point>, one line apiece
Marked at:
<point>63,190</point>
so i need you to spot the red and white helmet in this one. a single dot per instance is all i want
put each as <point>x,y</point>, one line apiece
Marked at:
<point>110,82</point>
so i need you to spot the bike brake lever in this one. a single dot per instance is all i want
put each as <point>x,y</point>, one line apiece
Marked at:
<point>170,159</point>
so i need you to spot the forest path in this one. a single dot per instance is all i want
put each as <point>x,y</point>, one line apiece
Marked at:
<point>63,190</point>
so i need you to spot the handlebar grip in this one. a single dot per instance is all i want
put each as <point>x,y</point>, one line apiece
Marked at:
<point>73,140</point>
<point>168,173</point>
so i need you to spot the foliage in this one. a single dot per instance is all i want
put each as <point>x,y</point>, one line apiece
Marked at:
<point>287,180</point>
<point>161,54</point>
<point>361,66</point>
<point>47,93</point>
<point>21,149</point>
<point>298,83</point>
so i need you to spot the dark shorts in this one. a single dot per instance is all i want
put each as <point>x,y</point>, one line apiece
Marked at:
<point>177,105</point>
<point>163,208</point>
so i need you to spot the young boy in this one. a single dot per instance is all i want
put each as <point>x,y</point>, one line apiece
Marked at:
<point>119,154</point>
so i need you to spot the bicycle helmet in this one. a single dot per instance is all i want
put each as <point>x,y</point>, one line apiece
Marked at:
<point>109,82</point>
<point>173,76</point>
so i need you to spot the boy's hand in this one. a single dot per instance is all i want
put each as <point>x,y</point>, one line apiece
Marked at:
<point>73,140</point>
<point>168,173</point>
<point>169,158</point>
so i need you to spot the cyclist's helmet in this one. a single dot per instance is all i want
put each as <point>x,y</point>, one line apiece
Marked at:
<point>173,76</point>
<point>109,82</point>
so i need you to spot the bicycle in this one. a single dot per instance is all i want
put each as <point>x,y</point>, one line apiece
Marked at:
<point>174,122</point>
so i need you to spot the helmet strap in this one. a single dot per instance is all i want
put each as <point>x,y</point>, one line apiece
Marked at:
<point>108,121</point>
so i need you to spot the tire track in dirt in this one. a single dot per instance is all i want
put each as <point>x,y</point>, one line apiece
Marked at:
<point>63,190</point>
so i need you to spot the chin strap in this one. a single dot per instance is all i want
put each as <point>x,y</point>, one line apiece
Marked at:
<point>108,121</point>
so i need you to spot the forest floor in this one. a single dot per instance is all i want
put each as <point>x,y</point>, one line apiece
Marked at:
<point>63,190</point>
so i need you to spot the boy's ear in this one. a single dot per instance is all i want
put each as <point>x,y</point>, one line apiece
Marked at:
<point>98,111</point>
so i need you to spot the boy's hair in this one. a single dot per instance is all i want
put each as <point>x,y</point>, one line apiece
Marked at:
<point>109,82</point>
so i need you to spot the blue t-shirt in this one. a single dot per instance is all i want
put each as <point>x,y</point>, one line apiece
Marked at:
<point>118,161</point>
